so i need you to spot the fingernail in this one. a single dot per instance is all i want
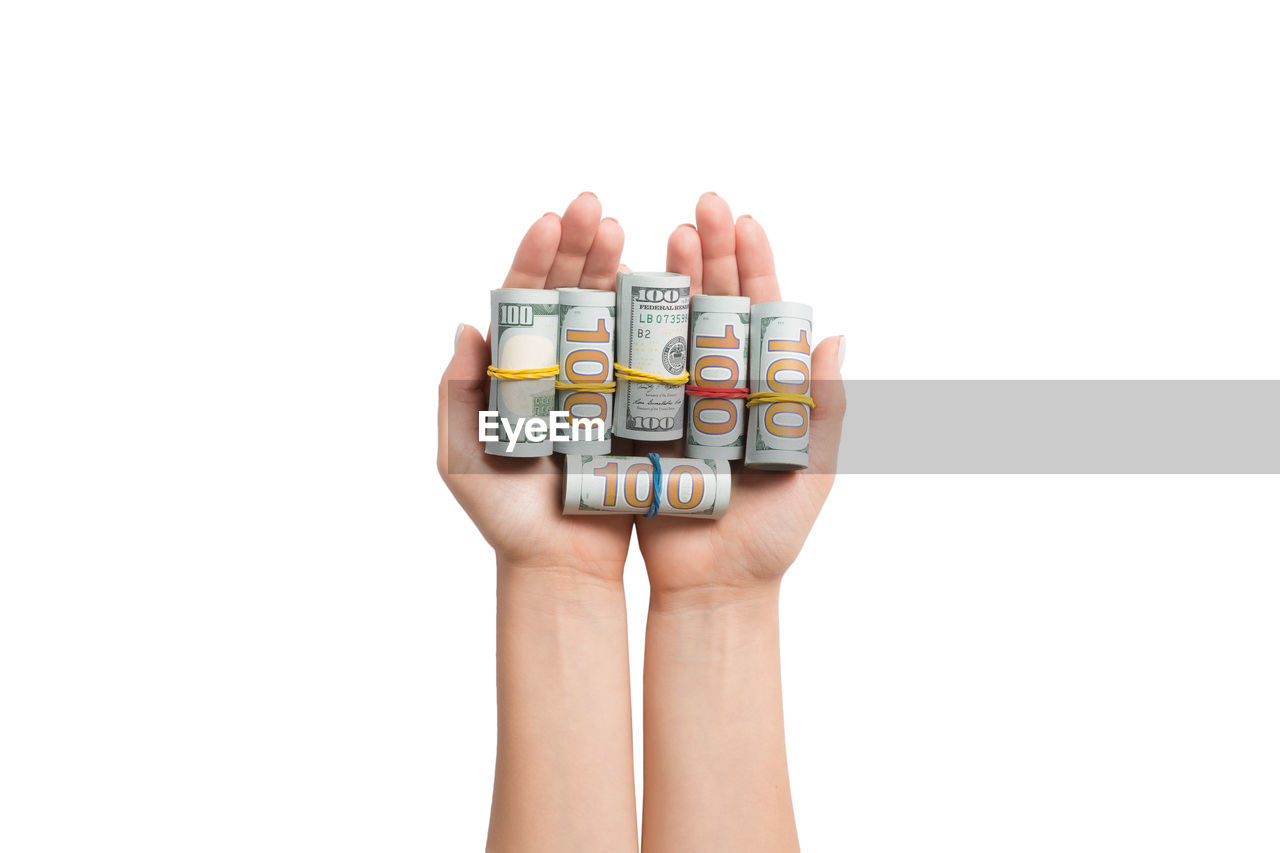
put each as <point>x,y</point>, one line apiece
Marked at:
<point>610,219</point>
<point>548,213</point>
<point>587,193</point>
<point>840,354</point>
<point>687,225</point>
<point>457,336</point>
<point>745,216</point>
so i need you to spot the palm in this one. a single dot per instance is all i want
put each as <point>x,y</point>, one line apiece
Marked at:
<point>517,505</point>
<point>770,513</point>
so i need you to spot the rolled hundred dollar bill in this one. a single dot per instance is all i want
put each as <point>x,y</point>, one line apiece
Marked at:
<point>718,333</point>
<point>653,322</point>
<point>525,331</point>
<point>698,488</point>
<point>778,432</point>
<point>586,359</point>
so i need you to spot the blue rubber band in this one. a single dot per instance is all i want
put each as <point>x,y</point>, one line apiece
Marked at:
<point>657,487</point>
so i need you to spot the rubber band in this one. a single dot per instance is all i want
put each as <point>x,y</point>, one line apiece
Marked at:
<point>718,393</point>
<point>523,373</point>
<point>602,387</point>
<point>773,397</point>
<point>653,378</point>
<point>657,487</point>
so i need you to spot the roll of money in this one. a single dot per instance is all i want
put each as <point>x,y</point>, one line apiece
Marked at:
<point>525,331</point>
<point>697,488</point>
<point>781,356</point>
<point>719,329</point>
<point>653,324</point>
<point>586,359</point>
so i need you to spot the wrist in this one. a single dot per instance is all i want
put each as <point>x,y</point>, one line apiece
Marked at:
<point>741,601</point>
<point>714,642</point>
<point>559,589</point>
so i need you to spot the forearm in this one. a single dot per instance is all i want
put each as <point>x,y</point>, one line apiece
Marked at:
<point>714,752</point>
<point>564,777</point>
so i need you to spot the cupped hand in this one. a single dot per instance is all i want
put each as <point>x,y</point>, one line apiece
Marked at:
<point>770,512</point>
<point>516,503</point>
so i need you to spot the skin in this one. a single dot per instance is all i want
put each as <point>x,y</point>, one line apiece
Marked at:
<point>715,756</point>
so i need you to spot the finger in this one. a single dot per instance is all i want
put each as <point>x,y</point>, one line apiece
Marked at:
<point>463,390</point>
<point>684,255</point>
<point>537,250</point>
<point>756,275</point>
<point>601,267</point>
<point>827,418</point>
<point>577,232</point>
<point>715,229</point>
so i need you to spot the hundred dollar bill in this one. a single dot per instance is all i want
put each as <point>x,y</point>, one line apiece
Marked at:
<point>653,322</point>
<point>525,331</point>
<point>718,333</point>
<point>586,358</point>
<point>778,433</point>
<point>698,488</point>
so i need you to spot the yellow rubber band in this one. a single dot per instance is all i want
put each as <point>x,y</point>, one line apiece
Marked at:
<point>524,373</point>
<point>640,376</point>
<point>602,387</point>
<point>773,397</point>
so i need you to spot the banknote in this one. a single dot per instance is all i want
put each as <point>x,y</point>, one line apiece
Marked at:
<point>524,332</point>
<point>586,358</point>
<point>781,350</point>
<point>653,324</point>
<point>719,329</point>
<point>698,488</point>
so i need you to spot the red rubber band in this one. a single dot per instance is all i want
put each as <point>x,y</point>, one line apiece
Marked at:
<point>722,393</point>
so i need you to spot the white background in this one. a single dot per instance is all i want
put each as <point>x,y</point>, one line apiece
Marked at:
<point>238,609</point>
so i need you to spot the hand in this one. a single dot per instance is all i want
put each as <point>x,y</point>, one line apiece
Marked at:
<point>516,503</point>
<point>770,513</point>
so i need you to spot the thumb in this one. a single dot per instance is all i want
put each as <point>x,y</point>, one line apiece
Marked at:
<point>828,405</point>
<point>463,390</point>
